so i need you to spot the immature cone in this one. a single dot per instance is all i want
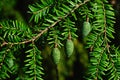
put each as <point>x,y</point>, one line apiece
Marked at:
<point>56,55</point>
<point>69,47</point>
<point>11,62</point>
<point>86,28</point>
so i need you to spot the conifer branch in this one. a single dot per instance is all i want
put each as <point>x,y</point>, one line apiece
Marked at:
<point>46,29</point>
<point>105,25</point>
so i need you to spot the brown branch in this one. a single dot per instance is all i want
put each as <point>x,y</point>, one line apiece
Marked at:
<point>52,25</point>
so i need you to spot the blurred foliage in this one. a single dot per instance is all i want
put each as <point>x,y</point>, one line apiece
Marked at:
<point>7,10</point>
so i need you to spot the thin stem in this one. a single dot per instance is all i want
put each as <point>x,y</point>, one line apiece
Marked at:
<point>57,73</point>
<point>105,28</point>
<point>34,58</point>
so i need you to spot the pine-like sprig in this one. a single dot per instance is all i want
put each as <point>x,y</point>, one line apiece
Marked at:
<point>101,64</point>
<point>33,63</point>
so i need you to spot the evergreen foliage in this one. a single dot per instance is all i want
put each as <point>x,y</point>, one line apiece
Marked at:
<point>57,19</point>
